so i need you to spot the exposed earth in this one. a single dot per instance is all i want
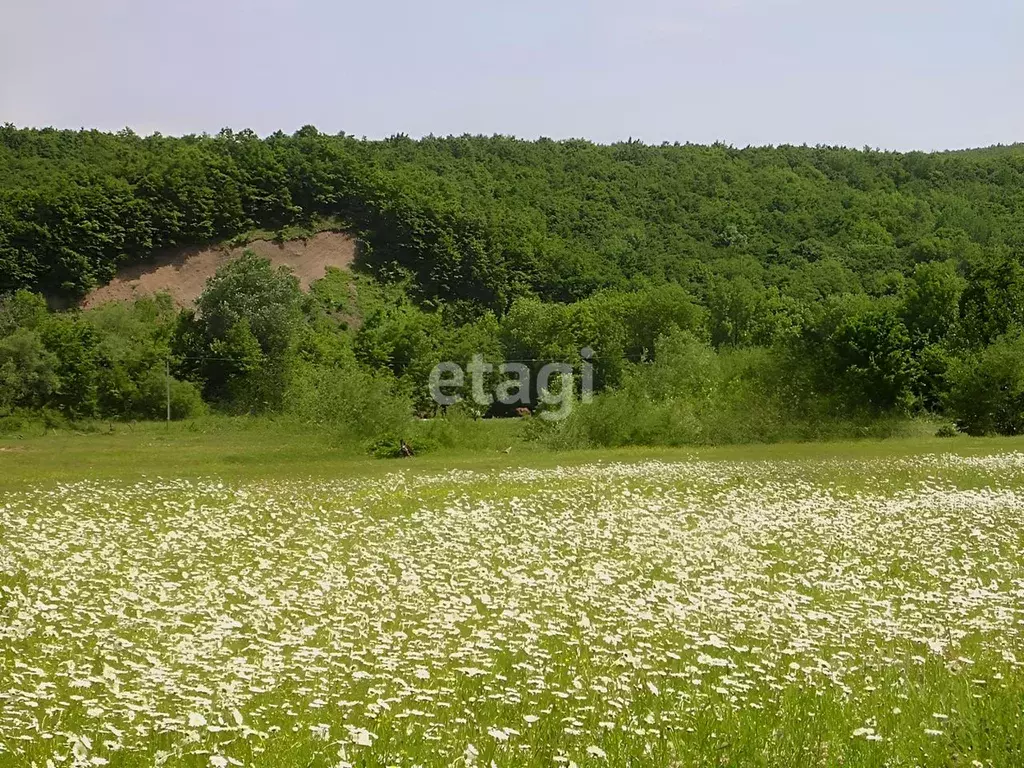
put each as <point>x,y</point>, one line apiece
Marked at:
<point>183,272</point>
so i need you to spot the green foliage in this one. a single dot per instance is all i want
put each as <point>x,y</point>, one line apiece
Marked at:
<point>132,348</point>
<point>22,309</point>
<point>240,342</point>
<point>692,395</point>
<point>672,401</point>
<point>334,292</point>
<point>993,301</point>
<point>873,361</point>
<point>107,362</point>
<point>74,343</point>
<point>351,401</point>
<point>931,302</point>
<point>389,447</point>
<point>28,371</point>
<point>150,400</point>
<point>683,367</point>
<point>986,395</point>
<point>740,314</point>
<point>250,290</point>
<point>491,219</point>
<point>724,293</point>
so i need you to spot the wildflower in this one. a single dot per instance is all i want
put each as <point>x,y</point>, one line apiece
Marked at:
<point>360,736</point>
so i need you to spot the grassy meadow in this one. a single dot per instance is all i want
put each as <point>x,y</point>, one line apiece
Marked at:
<point>248,593</point>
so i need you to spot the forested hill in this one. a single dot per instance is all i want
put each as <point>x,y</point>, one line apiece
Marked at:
<point>728,295</point>
<point>492,219</point>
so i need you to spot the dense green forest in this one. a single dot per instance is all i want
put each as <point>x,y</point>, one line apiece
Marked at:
<point>730,294</point>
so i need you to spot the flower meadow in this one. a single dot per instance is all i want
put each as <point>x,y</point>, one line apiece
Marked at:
<point>802,612</point>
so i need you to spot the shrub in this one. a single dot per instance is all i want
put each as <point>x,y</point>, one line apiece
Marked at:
<point>390,447</point>
<point>354,402</point>
<point>386,448</point>
<point>986,392</point>
<point>151,398</point>
<point>27,371</point>
<point>15,424</point>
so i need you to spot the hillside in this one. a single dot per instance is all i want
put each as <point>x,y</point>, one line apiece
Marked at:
<point>183,272</point>
<point>487,219</point>
<point>727,295</point>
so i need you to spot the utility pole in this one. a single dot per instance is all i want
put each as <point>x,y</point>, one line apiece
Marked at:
<point>167,370</point>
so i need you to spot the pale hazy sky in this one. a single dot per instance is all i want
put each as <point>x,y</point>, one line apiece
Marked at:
<point>901,74</point>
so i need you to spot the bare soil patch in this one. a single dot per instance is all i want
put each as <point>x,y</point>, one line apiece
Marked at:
<point>183,272</point>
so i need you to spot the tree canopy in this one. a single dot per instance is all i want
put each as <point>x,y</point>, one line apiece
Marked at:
<point>491,219</point>
<point>797,281</point>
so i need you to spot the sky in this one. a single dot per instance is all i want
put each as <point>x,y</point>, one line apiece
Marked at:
<point>894,74</point>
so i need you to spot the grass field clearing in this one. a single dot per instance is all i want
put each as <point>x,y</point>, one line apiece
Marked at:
<point>855,604</point>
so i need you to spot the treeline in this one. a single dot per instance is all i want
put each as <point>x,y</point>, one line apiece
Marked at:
<point>354,355</point>
<point>493,219</point>
<point>769,293</point>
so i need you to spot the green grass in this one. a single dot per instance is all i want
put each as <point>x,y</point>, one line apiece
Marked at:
<point>230,447</point>
<point>292,231</point>
<point>254,448</point>
<point>247,590</point>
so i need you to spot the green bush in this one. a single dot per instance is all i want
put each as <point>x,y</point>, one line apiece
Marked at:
<point>353,402</point>
<point>692,395</point>
<point>986,392</point>
<point>17,423</point>
<point>28,371</point>
<point>385,448</point>
<point>391,447</point>
<point>151,398</point>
